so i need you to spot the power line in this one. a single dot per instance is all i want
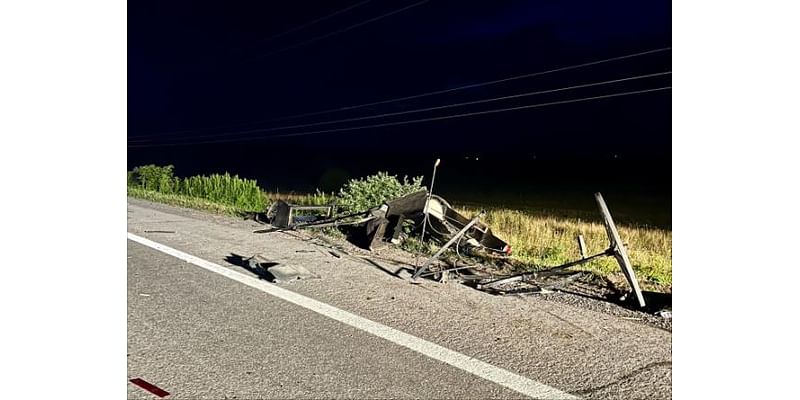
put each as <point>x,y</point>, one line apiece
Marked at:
<point>318,20</point>
<point>527,94</point>
<point>470,86</point>
<point>351,27</point>
<point>410,121</point>
<point>474,85</point>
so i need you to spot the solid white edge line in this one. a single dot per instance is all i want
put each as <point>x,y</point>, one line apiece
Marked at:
<point>476,367</point>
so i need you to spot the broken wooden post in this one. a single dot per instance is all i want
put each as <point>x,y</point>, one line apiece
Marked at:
<point>582,247</point>
<point>619,249</point>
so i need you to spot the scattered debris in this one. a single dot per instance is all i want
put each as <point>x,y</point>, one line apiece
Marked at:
<point>615,249</point>
<point>283,215</point>
<point>666,314</point>
<point>397,219</point>
<point>385,224</point>
<point>441,250</point>
<point>280,273</point>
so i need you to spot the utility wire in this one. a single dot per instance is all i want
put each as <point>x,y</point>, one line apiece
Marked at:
<point>474,85</point>
<point>470,86</point>
<point>343,30</point>
<point>408,122</point>
<point>318,20</point>
<point>227,134</point>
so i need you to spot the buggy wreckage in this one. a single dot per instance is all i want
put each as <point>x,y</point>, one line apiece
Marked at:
<point>388,223</point>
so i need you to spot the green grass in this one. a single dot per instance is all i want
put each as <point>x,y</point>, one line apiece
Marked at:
<point>540,241</point>
<point>225,189</point>
<point>183,201</point>
<point>305,199</point>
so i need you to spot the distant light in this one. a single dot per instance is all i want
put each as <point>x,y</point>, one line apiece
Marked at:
<point>616,156</point>
<point>476,158</point>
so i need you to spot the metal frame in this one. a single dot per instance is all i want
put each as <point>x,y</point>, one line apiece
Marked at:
<point>339,221</point>
<point>449,243</point>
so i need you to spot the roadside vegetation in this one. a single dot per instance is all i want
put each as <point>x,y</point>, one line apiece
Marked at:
<point>364,193</point>
<point>226,190</point>
<point>538,240</point>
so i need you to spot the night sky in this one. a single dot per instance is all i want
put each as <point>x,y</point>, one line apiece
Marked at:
<point>202,72</point>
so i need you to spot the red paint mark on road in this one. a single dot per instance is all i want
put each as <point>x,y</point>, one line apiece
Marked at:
<point>149,387</point>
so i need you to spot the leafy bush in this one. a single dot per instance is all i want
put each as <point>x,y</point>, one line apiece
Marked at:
<point>154,177</point>
<point>365,193</point>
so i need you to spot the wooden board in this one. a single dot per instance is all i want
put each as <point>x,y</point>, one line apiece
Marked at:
<point>619,249</point>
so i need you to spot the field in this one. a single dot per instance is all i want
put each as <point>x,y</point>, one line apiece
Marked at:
<point>538,241</point>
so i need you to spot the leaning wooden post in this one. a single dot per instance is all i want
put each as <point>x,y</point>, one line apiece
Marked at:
<point>619,249</point>
<point>582,247</point>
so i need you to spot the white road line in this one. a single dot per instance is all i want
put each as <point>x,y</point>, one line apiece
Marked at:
<point>484,370</point>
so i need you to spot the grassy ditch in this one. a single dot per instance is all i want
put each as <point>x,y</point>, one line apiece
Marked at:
<point>538,239</point>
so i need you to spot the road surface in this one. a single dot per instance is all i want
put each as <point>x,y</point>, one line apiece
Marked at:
<point>359,331</point>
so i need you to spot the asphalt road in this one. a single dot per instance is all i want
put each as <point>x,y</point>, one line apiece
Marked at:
<point>197,334</point>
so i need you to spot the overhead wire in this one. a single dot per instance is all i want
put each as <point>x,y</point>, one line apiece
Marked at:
<point>485,112</point>
<point>318,20</point>
<point>343,30</point>
<point>501,98</point>
<point>416,96</point>
<point>474,85</point>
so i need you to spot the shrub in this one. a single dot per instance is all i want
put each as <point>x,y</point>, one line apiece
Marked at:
<point>154,177</point>
<point>365,193</point>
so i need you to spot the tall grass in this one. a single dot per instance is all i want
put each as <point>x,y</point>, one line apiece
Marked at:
<point>317,198</point>
<point>539,241</point>
<point>226,189</point>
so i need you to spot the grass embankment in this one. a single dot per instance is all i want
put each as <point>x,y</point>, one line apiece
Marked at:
<point>538,239</point>
<point>222,194</point>
<point>183,201</point>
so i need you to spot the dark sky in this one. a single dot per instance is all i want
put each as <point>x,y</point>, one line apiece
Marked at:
<point>226,67</point>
